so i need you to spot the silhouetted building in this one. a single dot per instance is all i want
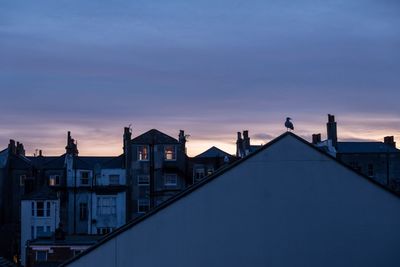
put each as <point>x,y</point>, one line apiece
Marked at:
<point>243,146</point>
<point>378,160</point>
<point>208,162</point>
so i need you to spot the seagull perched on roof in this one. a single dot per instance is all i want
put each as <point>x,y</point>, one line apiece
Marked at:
<point>289,124</point>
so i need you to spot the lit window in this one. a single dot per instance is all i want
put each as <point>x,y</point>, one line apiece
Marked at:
<point>83,211</point>
<point>143,153</point>
<point>54,180</point>
<point>170,152</point>
<point>114,179</point>
<point>170,179</point>
<point>143,205</point>
<point>22,179</point>
<point>143,180</point>
<point>106,205</point>
<point>41,255</point>
<point>85,178</point>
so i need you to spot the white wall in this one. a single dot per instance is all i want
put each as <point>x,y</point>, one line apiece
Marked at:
<point>287,206</point>
<point>27,221</point>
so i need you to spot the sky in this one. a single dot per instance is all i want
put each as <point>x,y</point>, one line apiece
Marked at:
<point>211,68</point>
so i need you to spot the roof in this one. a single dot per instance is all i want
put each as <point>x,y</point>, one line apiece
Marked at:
<point>365,147</point>
<point>205,181</point>
<point>154,137</point>
<point>213,152</point>
<point>255,148</point>
<point>44,193</point>
<point>90,162</point>
<point>52,162</point>
<point>69,240</point>
<point>114,163</point>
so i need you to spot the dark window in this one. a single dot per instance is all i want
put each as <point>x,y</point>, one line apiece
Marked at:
<point>83,211</point>
<point>22,179</point>
<point>41,255</point>
<point>84,178</point>
<point>143,205</point>
<point>114,179</point>
<point>33,208</point>
<point>40,209</point>
<point>48,209</point>
<point>370,170</point>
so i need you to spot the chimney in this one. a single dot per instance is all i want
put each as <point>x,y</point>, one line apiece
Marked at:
<point>316,138</point>
<point>239,146</point>
<point>389,140</point>
<point>246,140</point>
<point>72,147</point>
<point>12,149</point>
<point>127,137</point>
<point>332,130</point>
<point>20,149</point>
<point>182,140</point>
<point>40,153</point>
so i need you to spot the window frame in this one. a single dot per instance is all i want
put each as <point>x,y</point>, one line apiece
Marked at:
<point>168,182</point>
<point>54,177</point>
<point>114,176</point>
<point>82,178</point>
<point>140,204</point>
<point>22,179</point>
<point>139,183</point>
<point>36,255</point>
<point>173,153</point>
<point>100,209</point>
<point>140,153</point>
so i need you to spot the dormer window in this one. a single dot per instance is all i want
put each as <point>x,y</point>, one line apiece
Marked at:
<point>143,153</point>
<point>170,152</point>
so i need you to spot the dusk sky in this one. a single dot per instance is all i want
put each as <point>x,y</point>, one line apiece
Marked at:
<point>211,68</point>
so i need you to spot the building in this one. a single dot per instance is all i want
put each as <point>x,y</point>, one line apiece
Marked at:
<point>40,217</point>
<point>378,160</point>
<point>287,204</point>
<point>243,146</point>
<point>157,169</point>
<point>208,162</point>
<point>53,251</point>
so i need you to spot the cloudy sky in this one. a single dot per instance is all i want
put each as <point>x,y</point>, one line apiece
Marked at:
<point>209,67</point>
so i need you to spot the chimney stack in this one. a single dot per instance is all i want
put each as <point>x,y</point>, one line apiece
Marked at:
<point>246,142</point>
<point>12,149</point>
<point>40,153</point>
<point>20,149</point>
<point>182,140</point>
<point>389,140</point>
<point>239,145</point>
<point>316,139</point>
<point>127,137</point>
<point>332,130</point>
<point>72,147</point>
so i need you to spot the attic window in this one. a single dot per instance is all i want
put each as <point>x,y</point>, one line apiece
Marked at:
<point>143,153</point>
<point>170,152</point>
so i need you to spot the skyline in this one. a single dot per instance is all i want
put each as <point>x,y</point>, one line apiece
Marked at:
<point>211,68</point>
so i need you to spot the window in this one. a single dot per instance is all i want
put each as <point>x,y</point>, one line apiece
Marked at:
<point>48,209</point>
<point>370,170</point>
<point>210,171</point>
<point>143,205</point>
<point>83,211</point>
<point>170,152</point>
<point>40,209</point>
<point>48,229</point>
<point>85,178</point>
<point>170,179</point>
<point>106,205</point>
<point>114,179</point>
<point>22,179</point>
<point>104,230</point>
<point>143,180</point>
<point>41,255</point>
<point>33,208</point>
<point>143,153</point>
<point>198,174</point>
<point>78,251</point>
<point>54,180</point>
<point>40,231</point>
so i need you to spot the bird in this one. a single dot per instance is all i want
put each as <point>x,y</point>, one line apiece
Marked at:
<point>289,124</point>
